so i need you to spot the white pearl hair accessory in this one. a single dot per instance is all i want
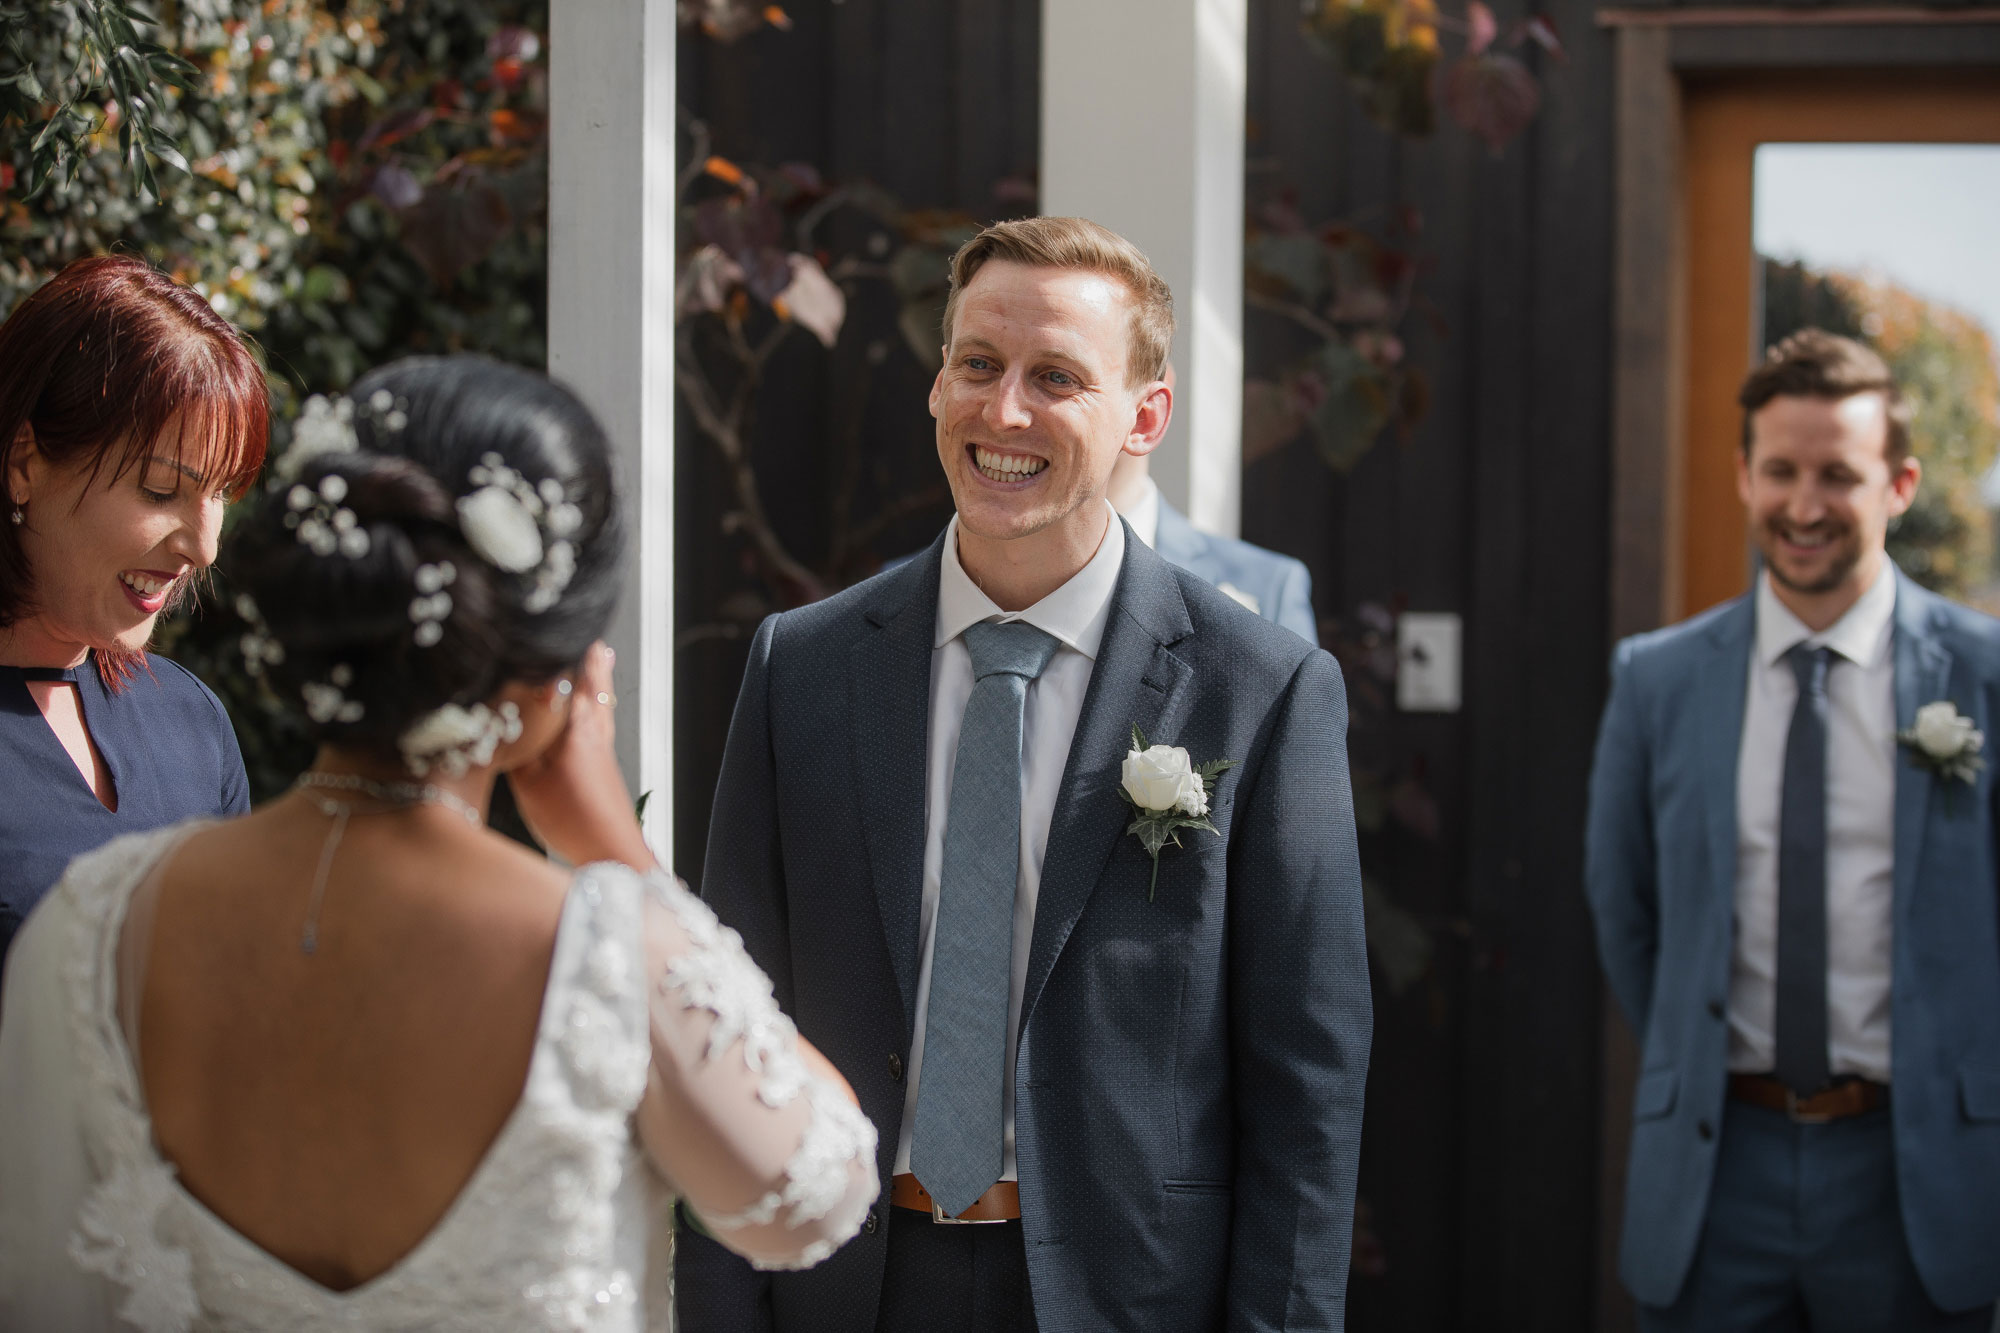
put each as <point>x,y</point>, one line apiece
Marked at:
<point>322,522</point>
<point>325,425</point>
<point>454,738</point>
<point>259,648</point>
<point>522,528</point>
<point>432,603</point>
<point>325,700</point>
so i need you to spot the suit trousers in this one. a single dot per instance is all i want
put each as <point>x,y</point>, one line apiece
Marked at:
<point>1804,1234</point>
<point>970,1279</point>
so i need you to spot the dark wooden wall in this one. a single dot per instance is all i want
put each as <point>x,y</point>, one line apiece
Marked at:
<point>935,101</point>
<point>1479,1158</point>
<point>1480,1154</point>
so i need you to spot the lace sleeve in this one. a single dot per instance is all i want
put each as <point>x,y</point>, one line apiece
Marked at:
<point>777,1160</point>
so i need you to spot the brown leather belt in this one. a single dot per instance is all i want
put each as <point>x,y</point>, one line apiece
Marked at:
<point>1850,1096</point>
<point>1002,1203</point>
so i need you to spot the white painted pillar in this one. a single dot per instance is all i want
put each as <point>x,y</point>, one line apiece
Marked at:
<point>611,328</point>
<point>1142,130</point>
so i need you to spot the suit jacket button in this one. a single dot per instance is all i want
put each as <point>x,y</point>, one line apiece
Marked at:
<point>896,1067</point>
<point>1715,1009</point>
<point>870,1224</point>
<point>1706,1130</point>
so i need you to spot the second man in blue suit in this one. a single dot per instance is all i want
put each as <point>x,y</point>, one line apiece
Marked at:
<point>1791,857</point>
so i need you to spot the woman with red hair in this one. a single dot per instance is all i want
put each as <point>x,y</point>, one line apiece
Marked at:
<point>130,413</point>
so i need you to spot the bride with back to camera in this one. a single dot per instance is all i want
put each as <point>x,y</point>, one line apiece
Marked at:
<point>354,1060</point>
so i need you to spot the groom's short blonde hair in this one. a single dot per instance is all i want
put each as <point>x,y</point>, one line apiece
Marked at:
<point>1078,243</point>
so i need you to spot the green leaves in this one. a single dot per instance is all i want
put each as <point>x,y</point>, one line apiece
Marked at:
<point>118,80</point>
<point>1157,830</point>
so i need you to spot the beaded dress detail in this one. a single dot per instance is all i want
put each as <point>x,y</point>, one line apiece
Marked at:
<point>565,1224</point>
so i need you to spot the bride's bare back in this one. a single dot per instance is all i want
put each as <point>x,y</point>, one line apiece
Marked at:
<point>331,1107</point>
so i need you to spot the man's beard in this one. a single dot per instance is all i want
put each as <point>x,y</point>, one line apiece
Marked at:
<point>1846,551</point>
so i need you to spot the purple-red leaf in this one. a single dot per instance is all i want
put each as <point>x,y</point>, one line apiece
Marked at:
<point>1492,95</point>
<point>766,273</point>
<point>1480,28</point>
<point>802,176</point>
<point>741,227</point>
<point>452,229</point>
<point>399,125</point>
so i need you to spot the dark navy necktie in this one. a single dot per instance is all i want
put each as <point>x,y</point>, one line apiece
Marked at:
<point>1801,1036</point>
<point>956,1146</point>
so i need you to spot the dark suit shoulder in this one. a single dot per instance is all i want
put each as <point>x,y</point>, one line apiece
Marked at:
<point>847,614</point>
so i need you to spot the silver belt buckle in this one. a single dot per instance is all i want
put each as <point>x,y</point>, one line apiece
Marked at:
<point>937,1215</point>
<point>1799,1117</point>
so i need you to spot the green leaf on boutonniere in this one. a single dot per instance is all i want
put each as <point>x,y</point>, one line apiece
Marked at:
<point>1155,782</point>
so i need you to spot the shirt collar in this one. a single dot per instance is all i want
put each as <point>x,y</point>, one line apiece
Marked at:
<point>1076,614</point>
<point>1145,515</point>
<point>1861,635</point>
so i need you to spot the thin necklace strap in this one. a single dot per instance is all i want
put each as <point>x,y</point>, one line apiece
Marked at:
<point>389,796</point>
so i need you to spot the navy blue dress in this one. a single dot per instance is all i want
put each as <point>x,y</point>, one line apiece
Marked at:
<point>167,742</point>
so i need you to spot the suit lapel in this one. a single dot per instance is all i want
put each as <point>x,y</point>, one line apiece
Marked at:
<point>1923,673</point>
<point>1136,681</point>
<point>1720,694</point>
<point>888,705</point>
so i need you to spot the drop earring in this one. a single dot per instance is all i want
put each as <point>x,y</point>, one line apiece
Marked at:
<point>17,516</point>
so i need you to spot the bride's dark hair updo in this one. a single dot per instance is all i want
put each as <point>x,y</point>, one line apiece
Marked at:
<point>339,609</point>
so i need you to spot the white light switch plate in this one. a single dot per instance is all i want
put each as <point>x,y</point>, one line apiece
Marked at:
<point>1427,662</point>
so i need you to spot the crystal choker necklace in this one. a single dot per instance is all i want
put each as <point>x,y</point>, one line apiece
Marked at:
<point>390,796</point>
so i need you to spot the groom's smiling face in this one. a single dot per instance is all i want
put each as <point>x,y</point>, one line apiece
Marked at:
<point>1034,403</point>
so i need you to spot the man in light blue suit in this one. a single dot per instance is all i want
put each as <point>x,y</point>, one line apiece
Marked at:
<point>1791,858</point>
<point>1274,586</point>
<point>1115,1093</point>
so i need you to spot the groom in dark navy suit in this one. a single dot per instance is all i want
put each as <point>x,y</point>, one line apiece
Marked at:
<point>1791,856</point>
<point>1107,1101</point>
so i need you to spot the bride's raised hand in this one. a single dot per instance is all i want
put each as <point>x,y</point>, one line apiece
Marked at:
<point>572,795</point>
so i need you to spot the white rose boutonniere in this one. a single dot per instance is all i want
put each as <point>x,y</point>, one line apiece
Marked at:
<point>1168,792</point>
<point>1945,741</point>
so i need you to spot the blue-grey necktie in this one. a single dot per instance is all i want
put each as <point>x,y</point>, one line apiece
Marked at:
<point>1801,991</point>
<point>955,1147</point>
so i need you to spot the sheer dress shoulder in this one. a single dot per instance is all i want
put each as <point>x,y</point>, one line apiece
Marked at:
<point>661,1065</point>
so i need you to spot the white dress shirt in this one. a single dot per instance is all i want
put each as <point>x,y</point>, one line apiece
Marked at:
<point>1076,615</point>
<point>1860,831</point>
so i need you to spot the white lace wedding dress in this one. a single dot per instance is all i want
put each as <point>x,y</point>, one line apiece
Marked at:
<point>566,1222</point>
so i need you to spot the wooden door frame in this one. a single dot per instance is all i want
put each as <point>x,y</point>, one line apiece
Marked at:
<point>1658,52</point>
